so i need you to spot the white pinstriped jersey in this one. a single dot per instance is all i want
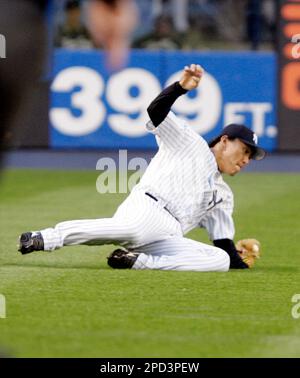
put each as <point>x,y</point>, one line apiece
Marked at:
<point>184,176</point>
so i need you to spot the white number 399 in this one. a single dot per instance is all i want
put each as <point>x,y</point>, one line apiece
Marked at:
<point>128,114</point>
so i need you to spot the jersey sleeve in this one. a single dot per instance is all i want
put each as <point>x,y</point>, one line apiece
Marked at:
<point>219,224</point>
<point>218,221</point>
<point>173,132</point>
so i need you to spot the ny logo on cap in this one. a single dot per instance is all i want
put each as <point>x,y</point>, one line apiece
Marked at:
<point>255,139</point>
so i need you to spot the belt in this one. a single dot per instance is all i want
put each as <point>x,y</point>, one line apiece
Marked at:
<point>165,208</point>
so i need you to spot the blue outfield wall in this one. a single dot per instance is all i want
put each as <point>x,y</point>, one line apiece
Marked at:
<point>91,108</point>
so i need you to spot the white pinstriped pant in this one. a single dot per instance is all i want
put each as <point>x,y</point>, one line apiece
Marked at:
<point>143,225</point>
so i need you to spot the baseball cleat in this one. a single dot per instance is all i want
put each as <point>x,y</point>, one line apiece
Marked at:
<point>121,259</point>
<point>30,242</point>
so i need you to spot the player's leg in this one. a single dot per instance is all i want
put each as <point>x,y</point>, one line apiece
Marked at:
<point>96,232</point>
<point>175,253</point>
<point>139,220</point>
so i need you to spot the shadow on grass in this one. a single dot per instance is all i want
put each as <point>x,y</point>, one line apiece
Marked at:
<point>102,266</point>
<point>58,266</point>
<point>279,269</point>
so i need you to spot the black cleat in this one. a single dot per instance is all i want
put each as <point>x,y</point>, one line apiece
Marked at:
<point>120,259</point>
<point>30,242</point>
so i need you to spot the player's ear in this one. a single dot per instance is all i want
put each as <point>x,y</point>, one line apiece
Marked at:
<point>224,141</point>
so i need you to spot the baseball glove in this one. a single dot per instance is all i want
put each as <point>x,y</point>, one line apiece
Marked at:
<point>249,250</point>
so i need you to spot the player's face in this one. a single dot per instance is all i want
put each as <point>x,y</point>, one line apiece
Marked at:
<point>234,156</point>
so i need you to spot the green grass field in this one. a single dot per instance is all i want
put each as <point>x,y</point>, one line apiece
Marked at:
<point>69,303</point>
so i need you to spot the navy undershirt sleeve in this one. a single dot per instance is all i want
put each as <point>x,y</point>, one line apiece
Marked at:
<point>228,246</point>
<point>161,105</point>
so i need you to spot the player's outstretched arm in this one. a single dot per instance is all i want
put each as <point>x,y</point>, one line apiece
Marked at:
<point>161,105</point>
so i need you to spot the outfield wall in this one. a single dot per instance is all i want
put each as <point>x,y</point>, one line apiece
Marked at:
<point>92,109</point>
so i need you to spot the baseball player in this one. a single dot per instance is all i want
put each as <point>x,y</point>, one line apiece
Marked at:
<point>181,189</point>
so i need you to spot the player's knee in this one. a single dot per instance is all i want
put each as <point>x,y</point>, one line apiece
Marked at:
<point>224,260</point>
<point>135,234</point>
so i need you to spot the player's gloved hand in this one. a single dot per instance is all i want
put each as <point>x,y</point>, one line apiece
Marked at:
<point>249,250</point>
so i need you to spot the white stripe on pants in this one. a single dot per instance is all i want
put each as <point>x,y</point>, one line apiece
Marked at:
<point>178,253</point>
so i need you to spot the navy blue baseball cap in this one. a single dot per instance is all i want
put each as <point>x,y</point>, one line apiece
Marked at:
<point>245,135</point>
